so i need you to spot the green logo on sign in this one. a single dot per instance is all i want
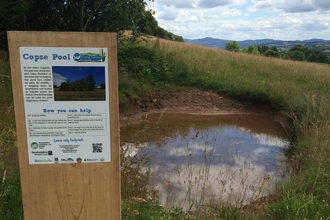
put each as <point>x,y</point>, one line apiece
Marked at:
<point>34,145</point>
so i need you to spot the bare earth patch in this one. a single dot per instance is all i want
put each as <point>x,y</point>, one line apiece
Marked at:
<point>190,101</point>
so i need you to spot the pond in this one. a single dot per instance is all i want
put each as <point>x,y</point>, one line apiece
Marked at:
<point>196,159</point>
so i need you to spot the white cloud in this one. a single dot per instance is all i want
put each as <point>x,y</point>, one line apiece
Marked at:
<point>260,5</point>
<point>198,3</point>
<point>322,4</point>
<point>296,6</point>
<point>214,3</point>
<point>242,19</point>
<point>178,4</point>
<point>58,79</point>
<point>169,13</point>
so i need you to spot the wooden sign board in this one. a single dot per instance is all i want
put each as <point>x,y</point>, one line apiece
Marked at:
<point>65,87</point>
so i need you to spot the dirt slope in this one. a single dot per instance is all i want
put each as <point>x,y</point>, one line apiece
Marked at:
<point>189,101</point>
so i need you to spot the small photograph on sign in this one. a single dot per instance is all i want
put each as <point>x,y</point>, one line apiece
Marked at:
<point>79,83</point>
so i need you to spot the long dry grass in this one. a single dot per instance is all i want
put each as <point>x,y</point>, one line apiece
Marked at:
<point>244,72</point>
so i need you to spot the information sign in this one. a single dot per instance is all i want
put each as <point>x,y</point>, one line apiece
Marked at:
<point>66,104</point>
<point>65,89</point>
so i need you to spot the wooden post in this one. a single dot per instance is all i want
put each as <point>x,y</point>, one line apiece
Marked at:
<point>79,189</point>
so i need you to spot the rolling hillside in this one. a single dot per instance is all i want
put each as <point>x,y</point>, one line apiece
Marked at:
<point>284,45</point>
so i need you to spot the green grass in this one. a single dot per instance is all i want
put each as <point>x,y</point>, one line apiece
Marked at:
<point>10,189</point>
<point>299,89</point>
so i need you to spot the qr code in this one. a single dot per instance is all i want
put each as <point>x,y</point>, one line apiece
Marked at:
<point>97,147</point>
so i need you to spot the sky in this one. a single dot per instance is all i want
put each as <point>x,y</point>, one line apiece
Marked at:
<point>73,73</point>
<point>244,19</point>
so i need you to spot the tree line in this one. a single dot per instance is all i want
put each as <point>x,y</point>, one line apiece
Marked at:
<point>80,85</point>
<point>297,52</point>
<point>79,15</point>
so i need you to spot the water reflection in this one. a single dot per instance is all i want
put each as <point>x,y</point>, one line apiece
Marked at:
<point>231,158</point>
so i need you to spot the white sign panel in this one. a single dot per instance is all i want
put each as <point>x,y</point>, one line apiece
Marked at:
<point>66,103</point>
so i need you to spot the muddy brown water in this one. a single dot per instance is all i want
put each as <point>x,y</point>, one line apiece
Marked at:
<point>196,159</point>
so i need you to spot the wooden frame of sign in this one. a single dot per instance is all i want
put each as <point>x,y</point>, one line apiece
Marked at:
<point>58,182</point>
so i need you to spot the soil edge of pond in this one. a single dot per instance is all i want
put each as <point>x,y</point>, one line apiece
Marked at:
<point>193,101</point>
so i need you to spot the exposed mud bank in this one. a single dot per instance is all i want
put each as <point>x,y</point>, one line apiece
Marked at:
<point>193,101</point>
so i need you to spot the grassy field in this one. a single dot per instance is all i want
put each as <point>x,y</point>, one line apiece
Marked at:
<point>97,95</point>
<point>299,89</point>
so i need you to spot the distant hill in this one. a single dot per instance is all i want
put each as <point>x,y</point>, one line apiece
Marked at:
<point>284,45</point>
